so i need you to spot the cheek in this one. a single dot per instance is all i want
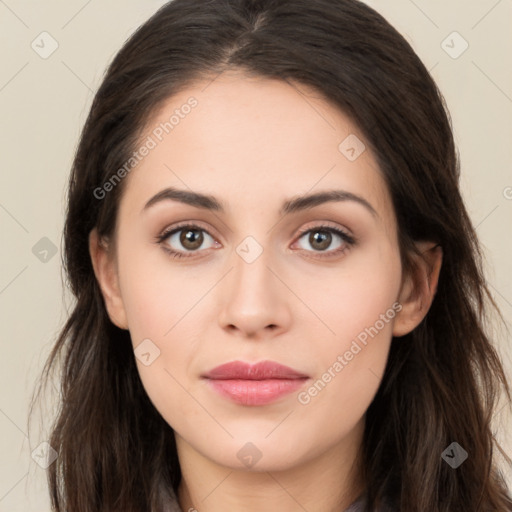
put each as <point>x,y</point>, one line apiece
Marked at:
<point>359,305</point>
<point>157,294</point>
<point>161,303</point>
<point>349,370</point>
<point>352,298</point>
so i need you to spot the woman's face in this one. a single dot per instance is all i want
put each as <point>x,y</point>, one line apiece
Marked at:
<point>262,277</point>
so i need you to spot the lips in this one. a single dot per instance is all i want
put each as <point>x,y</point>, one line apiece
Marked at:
<point>257,384</point>
<point>260,371</point>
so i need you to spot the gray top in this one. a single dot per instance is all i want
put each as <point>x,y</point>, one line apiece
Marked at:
<point>357,506</point>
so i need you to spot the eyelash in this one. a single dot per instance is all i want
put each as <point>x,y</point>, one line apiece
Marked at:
<point>348,239</point>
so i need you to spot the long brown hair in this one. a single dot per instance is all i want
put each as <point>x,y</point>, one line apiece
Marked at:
<point>442,381</point>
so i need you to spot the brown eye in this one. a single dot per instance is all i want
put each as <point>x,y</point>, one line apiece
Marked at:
<point>191,239</point>
<point>321,238</point>
<point>185,239</point>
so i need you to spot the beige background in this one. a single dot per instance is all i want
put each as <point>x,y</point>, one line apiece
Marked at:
<point>44,102</point>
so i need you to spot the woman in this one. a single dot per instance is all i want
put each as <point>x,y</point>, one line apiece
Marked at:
<point>280,301</point>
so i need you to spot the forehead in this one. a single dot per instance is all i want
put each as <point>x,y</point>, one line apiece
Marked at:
<point>253,142</point>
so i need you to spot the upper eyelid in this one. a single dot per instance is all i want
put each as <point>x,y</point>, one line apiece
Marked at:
<point>170,230</point>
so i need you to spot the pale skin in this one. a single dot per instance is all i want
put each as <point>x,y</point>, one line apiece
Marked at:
<point>254,144</point>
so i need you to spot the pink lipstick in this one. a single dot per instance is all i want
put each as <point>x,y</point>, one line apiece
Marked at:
<point>257,384</point>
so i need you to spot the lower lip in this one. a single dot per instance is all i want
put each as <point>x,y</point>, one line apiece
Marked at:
<point>255,392</point>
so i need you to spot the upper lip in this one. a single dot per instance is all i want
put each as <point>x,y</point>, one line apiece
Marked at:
<point>259,371</point>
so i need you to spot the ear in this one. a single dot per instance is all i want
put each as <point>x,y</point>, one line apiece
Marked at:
<point>105,269</point>
<point>418,289</point>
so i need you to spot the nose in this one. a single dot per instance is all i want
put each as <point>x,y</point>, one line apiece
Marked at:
<point>254,300</point>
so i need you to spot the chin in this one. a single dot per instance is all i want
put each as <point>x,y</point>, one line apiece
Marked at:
<point>257,453</point>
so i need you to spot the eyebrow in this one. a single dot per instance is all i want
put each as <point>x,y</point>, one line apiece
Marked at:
<point>300,203</point>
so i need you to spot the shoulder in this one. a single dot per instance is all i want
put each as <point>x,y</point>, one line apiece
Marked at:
<point>171,503</point>
<point>359,506</point>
